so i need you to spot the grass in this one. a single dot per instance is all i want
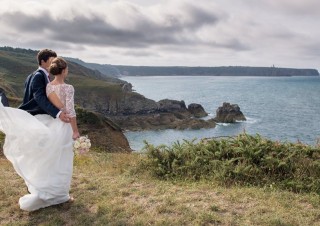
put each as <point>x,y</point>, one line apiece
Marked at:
<point>112,189</point>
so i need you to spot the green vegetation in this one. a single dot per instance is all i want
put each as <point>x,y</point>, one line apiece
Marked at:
<point>112,189</point>
<point>243,160</point>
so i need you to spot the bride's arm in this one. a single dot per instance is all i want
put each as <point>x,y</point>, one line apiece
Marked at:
<point>71,111</point>
<point>54,99</point>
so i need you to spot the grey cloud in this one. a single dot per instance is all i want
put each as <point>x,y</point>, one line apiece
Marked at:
<point>291,7</point>
<point>139,53</point>
<point>200,18</point>
<point>311,49</point>
<point>36,43</point>
<point>79,30</point>
<point>23,22</point>
<point>236,45</point>
<point>99,32</point>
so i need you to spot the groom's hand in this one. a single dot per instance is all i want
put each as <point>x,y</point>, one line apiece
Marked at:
<point>64,117</point>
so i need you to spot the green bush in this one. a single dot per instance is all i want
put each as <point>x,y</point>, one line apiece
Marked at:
<point>245,159</point>
<point>87,117</point>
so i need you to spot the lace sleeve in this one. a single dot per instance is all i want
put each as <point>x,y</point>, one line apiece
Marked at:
<point>49,89</point>
<point>70,101</point>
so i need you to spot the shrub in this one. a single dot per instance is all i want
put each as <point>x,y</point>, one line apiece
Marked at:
<point>245,159</point>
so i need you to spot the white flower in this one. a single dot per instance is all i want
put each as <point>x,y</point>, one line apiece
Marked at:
<point>76,144</point>
<point>82,139</point>
<point>82,145</point>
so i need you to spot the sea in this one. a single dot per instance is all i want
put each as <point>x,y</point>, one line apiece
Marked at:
<point>285,109</point>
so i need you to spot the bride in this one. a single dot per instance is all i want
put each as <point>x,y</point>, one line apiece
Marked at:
<point>40,147</point>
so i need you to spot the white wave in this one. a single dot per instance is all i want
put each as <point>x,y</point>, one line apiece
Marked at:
<point>252,120</point>
<point>223,124</point>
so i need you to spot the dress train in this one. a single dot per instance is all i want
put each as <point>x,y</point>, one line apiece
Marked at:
<point>40,150</point>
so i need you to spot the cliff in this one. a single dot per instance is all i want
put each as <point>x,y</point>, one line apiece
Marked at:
<point>132,111</point>
<point>215,71</point>
<point>123,70</point>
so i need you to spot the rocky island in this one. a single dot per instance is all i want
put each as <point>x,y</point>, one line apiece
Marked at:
<point>229,113</point>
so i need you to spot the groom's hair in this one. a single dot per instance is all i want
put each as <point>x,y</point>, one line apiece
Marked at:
<point>45,54</point>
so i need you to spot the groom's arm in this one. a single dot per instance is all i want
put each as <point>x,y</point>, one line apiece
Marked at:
<point>38,86</point>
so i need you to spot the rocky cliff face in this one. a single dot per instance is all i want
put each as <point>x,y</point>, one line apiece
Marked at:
<point>164,114</point>
<point>156,121</point>
<point>132,111</point>
<point>103,133</point>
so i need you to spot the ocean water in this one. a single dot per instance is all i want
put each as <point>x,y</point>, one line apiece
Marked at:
<point>278,108</point>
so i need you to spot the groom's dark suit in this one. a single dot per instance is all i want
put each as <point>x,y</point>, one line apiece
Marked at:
<point>35,100</point>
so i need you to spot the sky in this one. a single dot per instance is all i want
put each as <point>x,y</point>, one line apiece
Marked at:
<point>280,33</point>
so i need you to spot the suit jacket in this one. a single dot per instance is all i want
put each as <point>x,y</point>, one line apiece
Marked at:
<point>35,100</point>
<point>4,99</point>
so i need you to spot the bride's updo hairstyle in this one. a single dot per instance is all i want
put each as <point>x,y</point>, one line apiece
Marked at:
<point>58,64</point>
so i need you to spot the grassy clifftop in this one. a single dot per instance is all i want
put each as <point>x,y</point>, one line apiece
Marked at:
<point>110,189</point>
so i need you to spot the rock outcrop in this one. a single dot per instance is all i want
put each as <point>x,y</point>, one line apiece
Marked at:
<point>139,113</point>
<point>158,121</point>
<point>132,111</point>
<point>103,133</point>
<point>126,87</point>
<point>229,113</point>
<point>167,105</point>
<point>197,110</point>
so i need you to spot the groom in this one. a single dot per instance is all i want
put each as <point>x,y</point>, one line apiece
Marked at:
<point>35,100</point>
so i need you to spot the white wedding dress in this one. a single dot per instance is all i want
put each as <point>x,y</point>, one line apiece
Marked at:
<point>40,149</point>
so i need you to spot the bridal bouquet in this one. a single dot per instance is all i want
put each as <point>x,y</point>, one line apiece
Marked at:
<point>82,145</point>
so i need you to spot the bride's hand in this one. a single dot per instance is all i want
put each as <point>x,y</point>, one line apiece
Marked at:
<point>75,135</point>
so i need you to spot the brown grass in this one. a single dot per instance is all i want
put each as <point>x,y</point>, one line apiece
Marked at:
<point>110,190</point>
